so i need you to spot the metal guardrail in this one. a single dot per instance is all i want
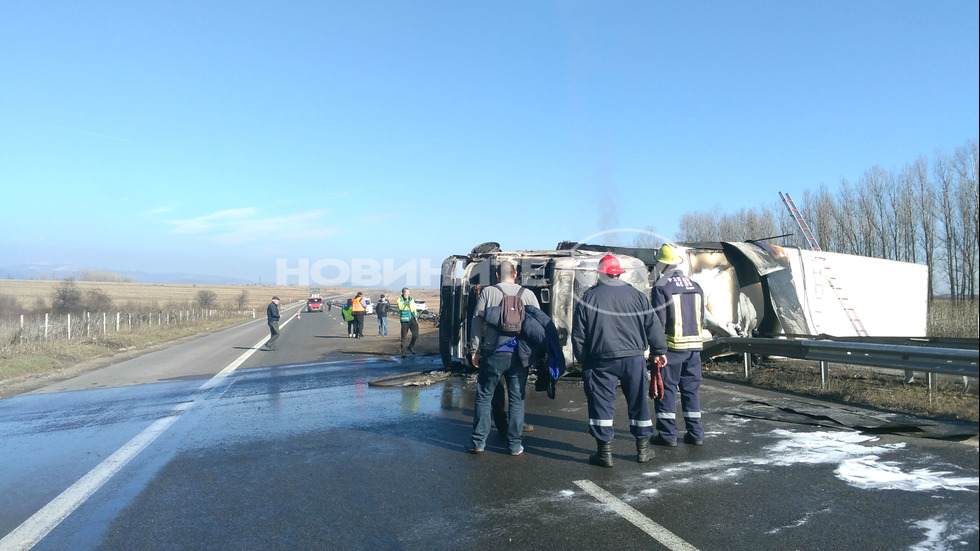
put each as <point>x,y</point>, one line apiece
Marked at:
<point>924,357</point>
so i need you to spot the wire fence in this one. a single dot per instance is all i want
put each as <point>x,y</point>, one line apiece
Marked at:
<point>87,325</point>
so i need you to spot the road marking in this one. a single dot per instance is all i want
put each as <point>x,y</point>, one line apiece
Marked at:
<point>657,532</point>
<point>50,516</point>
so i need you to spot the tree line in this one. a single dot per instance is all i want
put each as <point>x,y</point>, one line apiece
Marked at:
<point>925,213</point>
<point>67,298</point>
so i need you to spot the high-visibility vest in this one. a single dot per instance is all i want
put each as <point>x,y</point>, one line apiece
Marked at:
<point>348,315</point>
<point>406,309</point>
<point>356,305</point>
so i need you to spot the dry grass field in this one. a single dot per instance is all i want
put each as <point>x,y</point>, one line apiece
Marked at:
<point>26,363</point>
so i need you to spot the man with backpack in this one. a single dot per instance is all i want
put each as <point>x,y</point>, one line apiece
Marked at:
<point>494,358</point>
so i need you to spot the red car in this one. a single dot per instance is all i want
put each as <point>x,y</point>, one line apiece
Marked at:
<point>314,304</point>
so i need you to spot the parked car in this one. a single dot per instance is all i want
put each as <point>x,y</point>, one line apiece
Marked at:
<point>368,306</point>
<point>420,306</point>
<point>314,304</point>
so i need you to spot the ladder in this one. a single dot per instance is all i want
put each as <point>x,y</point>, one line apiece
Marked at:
<point>842,298</point>
<point>798,216</point>
<point>827,275</point>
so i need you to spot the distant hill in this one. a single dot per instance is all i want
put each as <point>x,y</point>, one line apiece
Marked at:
<point>59,271</point>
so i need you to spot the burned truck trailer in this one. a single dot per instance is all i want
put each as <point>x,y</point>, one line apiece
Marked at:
<point>557,279</point>
<point>751,289</point>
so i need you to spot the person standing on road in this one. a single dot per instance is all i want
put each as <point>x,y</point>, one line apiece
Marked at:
<point>382,310</point>
<point>409,318</point>
<point>272,315</point>
<point>612,326</point>
<point>679,303</point>
<point>348,317</point>
<point>357,310</point>
<point>494,358</point>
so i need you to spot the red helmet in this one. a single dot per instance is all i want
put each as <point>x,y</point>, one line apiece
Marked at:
<point>610,265</point>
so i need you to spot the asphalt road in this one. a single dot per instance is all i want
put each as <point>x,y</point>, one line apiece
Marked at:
<point>215,445</point>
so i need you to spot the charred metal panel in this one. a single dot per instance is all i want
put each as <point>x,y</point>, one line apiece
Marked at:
<point>753,263</point>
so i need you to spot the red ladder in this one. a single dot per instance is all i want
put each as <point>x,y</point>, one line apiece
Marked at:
<point>798,216</point>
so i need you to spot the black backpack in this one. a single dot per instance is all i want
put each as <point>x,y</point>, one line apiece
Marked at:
<point>511,313</point>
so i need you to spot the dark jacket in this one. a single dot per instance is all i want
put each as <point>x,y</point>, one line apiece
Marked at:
<point>272,312</point>
<point>539,336</point>
<point>614,320</point>
<point>382,308</point>
<point>679,303</point>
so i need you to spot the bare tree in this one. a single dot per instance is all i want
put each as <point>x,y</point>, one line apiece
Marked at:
<point>241,302</point>
<point>67,298</point>
<point>903,200</point>
<point>925,200</point>
<point>946,190</point>
<point>97,300</point>
<point>965,162</point>
<point>698,226</point>
<point>206,299</point>
<point>845,222</point>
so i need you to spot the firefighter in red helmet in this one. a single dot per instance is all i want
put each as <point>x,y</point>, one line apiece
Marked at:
<point>612,327</point>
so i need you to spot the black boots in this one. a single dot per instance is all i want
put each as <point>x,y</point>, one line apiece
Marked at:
<point>602,457</point>
<point>643,451</point>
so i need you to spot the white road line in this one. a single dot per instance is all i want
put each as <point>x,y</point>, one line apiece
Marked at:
<point>50,516</point>
<point>657,532</point>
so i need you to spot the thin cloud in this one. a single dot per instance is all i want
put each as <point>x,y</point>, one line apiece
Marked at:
<point>375,218</point>
<point>246,226</point>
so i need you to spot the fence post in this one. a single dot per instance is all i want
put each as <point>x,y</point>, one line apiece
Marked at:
<point>747,360</point>
<point>88,324</point>
<point>824,374</point>
<point>69,326</point>
<point>45,326</point>
<point>22,328</point>
<point>103,323</point>
<point>130,322</point>
<point>117,322</point>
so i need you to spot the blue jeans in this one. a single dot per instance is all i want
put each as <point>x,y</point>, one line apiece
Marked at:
<point>383,326</point>
<point>494,367</point>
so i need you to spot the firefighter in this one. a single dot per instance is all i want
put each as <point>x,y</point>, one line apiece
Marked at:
<point>612,327</point>
<point>679,303</point>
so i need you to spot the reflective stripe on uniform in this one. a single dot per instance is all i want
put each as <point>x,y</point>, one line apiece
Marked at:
<point>692,414</point>
<point>601,422</point>
<point>666,416</point>
<point>676,339</point>
<point>641,423</point>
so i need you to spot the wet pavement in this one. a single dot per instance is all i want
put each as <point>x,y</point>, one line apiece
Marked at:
<point>295,450</point>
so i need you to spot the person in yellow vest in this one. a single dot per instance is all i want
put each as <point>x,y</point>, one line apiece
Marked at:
<point>348,317</point>
<point>679,303</point>
<point>357,309</point>
<point>409,318</point>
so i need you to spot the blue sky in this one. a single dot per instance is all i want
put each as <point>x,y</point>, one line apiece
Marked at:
<point>218,137</point>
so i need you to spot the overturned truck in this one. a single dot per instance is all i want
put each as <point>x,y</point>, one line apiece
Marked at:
<point>751,289</point>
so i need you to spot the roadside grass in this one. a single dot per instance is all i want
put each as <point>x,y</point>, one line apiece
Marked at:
<point>949,399</point>
<point>34,358</point>
<point>24,359</point>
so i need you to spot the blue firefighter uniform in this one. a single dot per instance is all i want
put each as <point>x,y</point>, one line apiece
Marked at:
<point>679,303</point>
<point>613,324</point>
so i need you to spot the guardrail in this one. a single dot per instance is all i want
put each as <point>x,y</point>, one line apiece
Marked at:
<point>922,356</point>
